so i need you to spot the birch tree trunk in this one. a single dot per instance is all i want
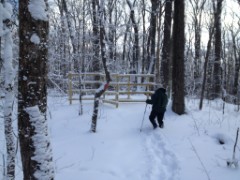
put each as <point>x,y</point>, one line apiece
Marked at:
<point>159,25</point>
<point>9,90</point>
<point>36,153</point>
<point>104,87</point>
<point>75,53</point>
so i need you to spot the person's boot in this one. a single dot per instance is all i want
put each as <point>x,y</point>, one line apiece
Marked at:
<point>161,125</point>
<point>154,126</point>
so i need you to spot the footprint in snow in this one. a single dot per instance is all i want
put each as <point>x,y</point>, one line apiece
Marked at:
<point>162,161</point>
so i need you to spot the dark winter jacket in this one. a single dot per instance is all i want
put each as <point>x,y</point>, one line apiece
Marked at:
<point>158,100</point>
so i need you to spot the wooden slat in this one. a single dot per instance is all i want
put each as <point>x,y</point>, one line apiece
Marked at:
<point>125,80</point>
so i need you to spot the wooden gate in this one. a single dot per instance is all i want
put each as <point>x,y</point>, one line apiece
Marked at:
<point>122,88</point>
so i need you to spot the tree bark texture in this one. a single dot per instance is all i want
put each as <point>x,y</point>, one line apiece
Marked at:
<point>144,51</point>
<point>237,65</point>
<point>104,87</point>
<point>152,36</point>
<point>218,50</point>
<point>71,34</point>
<point>205,68</point>
<point>95,36</point>
<point>178,105</point>
<point>33,33</point>
<point>198,7</point>
<point>166,50</point>
<point>9,95</point>
<point>136,50</point>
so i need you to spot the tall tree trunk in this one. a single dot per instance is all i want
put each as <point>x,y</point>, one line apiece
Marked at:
<point>144,52</point>
<point>84,37</point>
<point>75,53</point>
<point>159,24</point>
<point>63,39</point>
<point>152,37</point>
<point>9,93</point>
<point>166,50</point>
<point>111,36</point>
<point>237,65</point>
<point>1,31</point>
<point>205,67</point>
<point>178,105</point>
<point>136,39</point>
<point>218,49</point>
<point>125,41</point>
<point>198,7</point>
<point>95,37</point>
<point>104,87</point>
<point>36,153</point>
<point>72,35</point>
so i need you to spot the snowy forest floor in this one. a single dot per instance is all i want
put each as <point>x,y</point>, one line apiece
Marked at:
<point>187,148</point>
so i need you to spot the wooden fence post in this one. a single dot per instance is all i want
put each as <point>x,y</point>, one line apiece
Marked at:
<point>129,79</point>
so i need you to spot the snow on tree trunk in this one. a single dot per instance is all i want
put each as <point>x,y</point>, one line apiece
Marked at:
<point>40,141</point>
<point>104,87</point>
<point>5,32</point>
<point>36,153</point>
<point>75,53</point>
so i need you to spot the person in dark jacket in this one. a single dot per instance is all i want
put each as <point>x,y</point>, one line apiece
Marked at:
<point>159,102</point>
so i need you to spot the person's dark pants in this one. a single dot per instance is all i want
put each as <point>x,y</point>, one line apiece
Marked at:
<point>159,116</point>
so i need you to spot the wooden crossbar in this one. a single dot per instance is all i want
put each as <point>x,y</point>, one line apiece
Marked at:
<point>121,84</point>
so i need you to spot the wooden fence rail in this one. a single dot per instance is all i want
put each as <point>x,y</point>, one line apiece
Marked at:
<point>121,84</point>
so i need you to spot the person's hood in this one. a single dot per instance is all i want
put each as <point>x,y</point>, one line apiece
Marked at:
<point>163,90</point>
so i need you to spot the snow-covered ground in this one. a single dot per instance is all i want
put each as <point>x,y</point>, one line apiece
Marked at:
<point>187,148</point>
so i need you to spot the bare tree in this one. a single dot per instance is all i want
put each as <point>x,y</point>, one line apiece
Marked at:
<point>99,8</point>
<point>166,50</point>
<point>209,46</point>
<point>237,62</point>
<point>217,6</point>
<point>198,7</point>
<point>178,105</point>
<point>36,153</point>
<point>71,34</point>
<point>75,53</point>
<point>152,36</point>
<point>159,42</point>
<point>144,51</point>
<point>136,51</point>
<point>95,36</point>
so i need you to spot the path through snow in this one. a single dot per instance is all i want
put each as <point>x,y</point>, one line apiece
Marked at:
<point>163,163</point>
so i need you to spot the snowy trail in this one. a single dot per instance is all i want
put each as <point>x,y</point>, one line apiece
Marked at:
<point>163,163</point>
